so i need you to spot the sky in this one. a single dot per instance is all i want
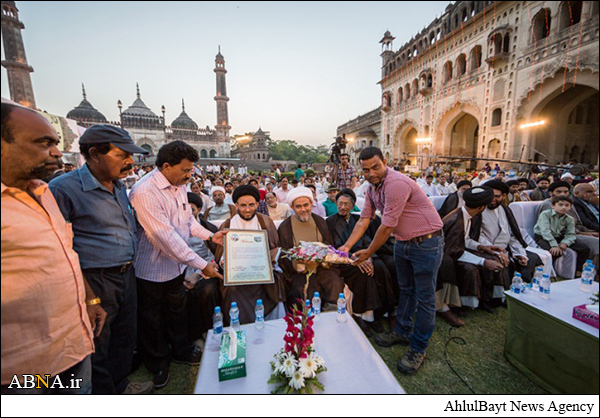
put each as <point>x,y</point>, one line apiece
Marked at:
<point>295,69</point>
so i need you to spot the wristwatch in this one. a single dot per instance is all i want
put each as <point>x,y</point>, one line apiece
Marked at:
<point>93,302</point>
<point>212,234</point>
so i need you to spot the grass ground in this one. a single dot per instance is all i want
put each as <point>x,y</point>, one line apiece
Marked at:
<point>479,361</point>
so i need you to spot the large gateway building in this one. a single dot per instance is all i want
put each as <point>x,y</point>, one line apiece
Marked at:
<point>500,80</point>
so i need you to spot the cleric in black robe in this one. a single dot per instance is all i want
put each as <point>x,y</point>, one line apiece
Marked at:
<point>341,225</point>
<point>476,272</point>
<point>497,226</point>
<point>455,200</point>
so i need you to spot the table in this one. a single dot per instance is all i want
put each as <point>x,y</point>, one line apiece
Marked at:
<point>548,345</point>
<point>353,366</point>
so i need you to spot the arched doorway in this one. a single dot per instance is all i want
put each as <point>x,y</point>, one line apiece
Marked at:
<point>213,153</point>
<point>147,147</point>
<point>464,138</point>
<point>203,154</point>
<point>571,129</point>
<point>404,143</point>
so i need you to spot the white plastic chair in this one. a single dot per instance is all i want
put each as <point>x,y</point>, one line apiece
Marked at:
<point>437,201</point>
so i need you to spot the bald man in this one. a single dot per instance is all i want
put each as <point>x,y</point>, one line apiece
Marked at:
<point>586,209</point>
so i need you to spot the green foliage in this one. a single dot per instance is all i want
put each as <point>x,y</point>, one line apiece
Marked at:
<point>303,154</point>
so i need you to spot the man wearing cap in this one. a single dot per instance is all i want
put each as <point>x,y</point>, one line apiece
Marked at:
<point>306,226</point>
<point>246,200</point>
<point>569,178</point>
<point>513,192</point>
<point>455,200</point>
<point>419,248</point>
<point>220,211</point>
<point>370,282</point>
<point>164,213</point>
<point>94,200</point>
<point>465,273</point>
<point>496,231</point>
<point>330,203</point>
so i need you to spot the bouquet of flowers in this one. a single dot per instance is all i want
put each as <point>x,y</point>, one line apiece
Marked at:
<point>296,366</point>
<point>317,252</point>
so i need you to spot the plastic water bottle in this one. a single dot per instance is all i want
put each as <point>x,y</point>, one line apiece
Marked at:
<point>341,311</point>
<point>537,278</point>
<point>517,284</point>
<point>545,287</point>
<point>587,279</point>
<point>316,306</point>
<point>590,264</point>
<point>234,316</point>
<point>308,308</point>
<point>259,315</point>
<point>217,322</point>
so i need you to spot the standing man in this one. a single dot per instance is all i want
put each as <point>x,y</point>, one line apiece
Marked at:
<point>160,200</point>
<point>94,201</point>
<point>299,172</point>
<point>345,172</point>
<point>417,227</point>
<point>49,312</point>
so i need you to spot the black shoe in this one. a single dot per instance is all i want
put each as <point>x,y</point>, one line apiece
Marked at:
<point>388,339</point>
<point>192,359</point>
<point>363,326</point>
<point>411,362</point>
<point>376,326</point>
<point>161,379</point>
<point>485,306</point>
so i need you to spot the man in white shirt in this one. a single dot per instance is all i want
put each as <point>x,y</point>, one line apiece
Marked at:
<point>443,187</point>
<point>429,188</point>
<point>477,181</point>
<point>282,191</point>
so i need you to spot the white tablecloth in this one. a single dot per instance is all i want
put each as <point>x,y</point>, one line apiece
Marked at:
<point>564,296</point>
<point>353,366</point>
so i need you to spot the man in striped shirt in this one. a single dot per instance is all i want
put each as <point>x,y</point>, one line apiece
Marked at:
<point>160,201</point>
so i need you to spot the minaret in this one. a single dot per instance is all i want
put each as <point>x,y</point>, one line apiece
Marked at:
<point>19,80</point>
<point>222,127</point>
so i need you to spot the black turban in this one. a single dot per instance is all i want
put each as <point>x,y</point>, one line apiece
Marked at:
<point>512,183</point>
<point>246,190</point>
<point>558,184</point>
<point>195,199</point>
<point>464,183</point>
<point>498,185</point>
<point>478,196</point>
<point>346,192</point>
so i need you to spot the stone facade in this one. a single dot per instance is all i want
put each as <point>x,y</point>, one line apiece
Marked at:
<point>252,149</point>
<point>361,132</point>
<point>465,84</point>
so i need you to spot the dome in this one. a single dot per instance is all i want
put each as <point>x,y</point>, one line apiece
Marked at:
<point>139,108</point>
<point>183,121</point>
<point>86,112</point>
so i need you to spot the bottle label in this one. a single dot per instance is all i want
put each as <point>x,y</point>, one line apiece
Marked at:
<point>341,310</point>
<point>545,290</point>
<point>218,329</point>
<point>260,317</point>
<point>316,311</point>
<point>517,289</point>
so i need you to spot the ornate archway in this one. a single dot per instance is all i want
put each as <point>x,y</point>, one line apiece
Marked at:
<point>404,141</point>
<point>457,134</point>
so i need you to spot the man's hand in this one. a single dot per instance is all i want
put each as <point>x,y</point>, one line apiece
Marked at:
<point>504,258</point>
<point>493,265</point>
<point>218,237</point>
<point>190,282</point>
<point>367,267</point>
<point>556,251</point>
<point>361,256</point>
<point>344,249</point>
<point>563,247</point>
<point>211,271</point>
<point>491,249</point>
<point>522,260</point>
<point>97,317</point>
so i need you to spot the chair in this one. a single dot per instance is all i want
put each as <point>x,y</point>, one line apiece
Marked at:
<point>525,214</point>
<point>437,201</point>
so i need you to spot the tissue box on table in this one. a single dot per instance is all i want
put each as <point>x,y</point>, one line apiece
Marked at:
<point>232,360</point>
<point>583,314</point>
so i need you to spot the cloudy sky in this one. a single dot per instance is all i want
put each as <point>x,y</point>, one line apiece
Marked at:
<point>296,69</point>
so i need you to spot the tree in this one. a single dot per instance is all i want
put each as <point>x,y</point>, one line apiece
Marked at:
<point>290,150</point>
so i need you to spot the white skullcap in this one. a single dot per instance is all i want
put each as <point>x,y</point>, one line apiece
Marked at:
<point>299,192</point>
<point>567,176</point>
<point>217,189</point>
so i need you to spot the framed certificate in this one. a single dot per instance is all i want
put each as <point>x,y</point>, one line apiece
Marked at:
<point>247,258</point>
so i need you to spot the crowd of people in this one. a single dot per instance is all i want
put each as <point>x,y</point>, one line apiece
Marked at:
<point>118,257</point>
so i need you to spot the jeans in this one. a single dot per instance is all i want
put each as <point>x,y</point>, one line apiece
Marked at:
<point>82,371</point>
<point>417,265</point>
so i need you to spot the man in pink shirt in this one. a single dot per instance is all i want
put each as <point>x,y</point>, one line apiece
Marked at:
<point>410,216</point>
<point>162,207</point>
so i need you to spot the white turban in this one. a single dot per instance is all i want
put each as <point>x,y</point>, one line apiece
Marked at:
<point>299,192</point>
<point>567,176</point>
<point>217,189</point>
